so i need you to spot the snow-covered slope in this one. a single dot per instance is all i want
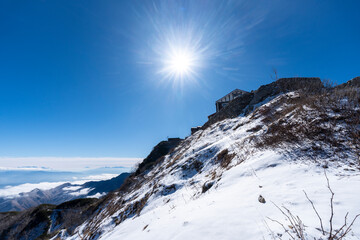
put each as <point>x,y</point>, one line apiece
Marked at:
<point>263,167</point>
<point>246,178</point>
<point>231,210</point>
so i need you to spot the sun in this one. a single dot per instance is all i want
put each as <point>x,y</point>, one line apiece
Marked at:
<point>179,63</point>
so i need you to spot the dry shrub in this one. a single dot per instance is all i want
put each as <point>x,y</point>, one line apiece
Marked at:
<point>193,165</point>
<point>197,165</point>
<point>319,126</point>
<point>224,158</point>
<point>133,209</point>
<point>239,125</point>
<point>296,228</point>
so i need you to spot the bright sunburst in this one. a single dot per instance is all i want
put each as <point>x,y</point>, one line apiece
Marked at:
<point>186,40</point>
<point>180,63</point>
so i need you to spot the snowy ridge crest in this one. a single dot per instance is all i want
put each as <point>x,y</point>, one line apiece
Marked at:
<point>224,178</point>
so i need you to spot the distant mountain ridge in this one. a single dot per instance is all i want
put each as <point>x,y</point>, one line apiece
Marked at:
<point>60,194</point>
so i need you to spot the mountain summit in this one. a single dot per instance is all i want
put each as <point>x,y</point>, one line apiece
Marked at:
<point>280,162</point>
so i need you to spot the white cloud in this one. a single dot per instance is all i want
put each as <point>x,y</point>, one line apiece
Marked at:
<point>14,191</point>
<point>10,191</point>
<point>64,163</point>
<point>83,191</point>
<point>72,164</point>
<point>71,188</point>
<point>99,177</point>
<point>98,195</point>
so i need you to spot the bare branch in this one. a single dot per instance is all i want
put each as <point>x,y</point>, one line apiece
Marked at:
<point>287,231</point>
<point>331,205</point>
<point>297,227</point>
<point>293,222</point>
<point>345,222</point>
<point>349,228</point>
<point>312,204</point>
<point>296,224</point>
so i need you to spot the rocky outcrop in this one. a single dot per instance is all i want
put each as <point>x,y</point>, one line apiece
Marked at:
<point>159,151</point>
<point>44,221</point>
<point>195,129</point>
<point>246,103</point>
<point>353,83</point>
<point>284,85</point>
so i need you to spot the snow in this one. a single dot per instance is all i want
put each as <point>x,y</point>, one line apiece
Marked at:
<point>177,208</point>
<point>233,209</point>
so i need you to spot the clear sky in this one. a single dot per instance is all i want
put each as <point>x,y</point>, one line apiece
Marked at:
<point>85,78</point>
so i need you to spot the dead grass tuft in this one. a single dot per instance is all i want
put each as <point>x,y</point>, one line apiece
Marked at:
<point>224,158</point>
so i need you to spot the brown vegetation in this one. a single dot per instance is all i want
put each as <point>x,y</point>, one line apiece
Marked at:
<point>224,158</point>
<point>336,124</point>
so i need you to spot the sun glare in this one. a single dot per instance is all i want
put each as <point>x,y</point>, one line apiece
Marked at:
<point>179,63</point>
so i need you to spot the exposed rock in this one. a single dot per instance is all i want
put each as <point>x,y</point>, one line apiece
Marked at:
<point>168,189</point>
<point>261,199</point>
<point>355,82</point>
<point>207,186</point>
<point>159,151</point>
<point>195,129</point>
<point>43,221</point>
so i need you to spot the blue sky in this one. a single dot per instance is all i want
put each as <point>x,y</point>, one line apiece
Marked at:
<point>84,78</point>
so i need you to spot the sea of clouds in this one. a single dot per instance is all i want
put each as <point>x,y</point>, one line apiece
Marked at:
<point>19,175</point>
